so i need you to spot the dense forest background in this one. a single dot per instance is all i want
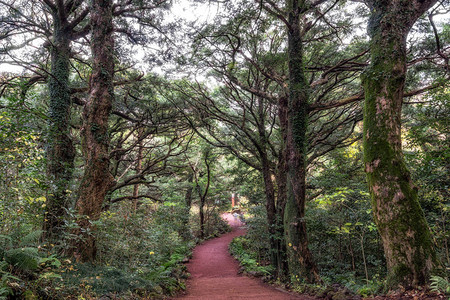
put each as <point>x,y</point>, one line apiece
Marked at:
<point>127,126</point>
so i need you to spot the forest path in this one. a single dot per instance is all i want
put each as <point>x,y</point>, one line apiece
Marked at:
<point>214,272</point>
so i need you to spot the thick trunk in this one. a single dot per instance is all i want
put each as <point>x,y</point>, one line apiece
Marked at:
<point>300,259</point>
<point>400,220</point>
<point>60,150</point>
<point>97,179</point>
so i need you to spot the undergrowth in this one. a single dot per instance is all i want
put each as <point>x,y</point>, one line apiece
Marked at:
<point>239,248</point>
<point>141,255</point>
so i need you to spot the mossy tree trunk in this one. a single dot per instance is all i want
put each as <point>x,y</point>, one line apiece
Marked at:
<point>400,220</point>
<point>300,259</point>
<point>97,179</point>
<point>60,151</point>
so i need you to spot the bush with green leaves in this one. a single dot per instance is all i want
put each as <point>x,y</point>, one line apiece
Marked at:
<point>342,235</point>
<point>427,153</point>
<point>22,163</point>
<point>257,232</point>
<point>26,266</point>
<point>145,247</point>
<point>240,248</point>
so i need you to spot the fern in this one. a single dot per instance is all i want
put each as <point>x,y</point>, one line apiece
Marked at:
<point>20,253</point>
<point>5,243</point>
<point>440,284</point>
<point>4,292</point>
<point>26,258</point>
<point>30,239</point>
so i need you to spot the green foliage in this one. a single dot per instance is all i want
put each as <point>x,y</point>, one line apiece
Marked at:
<point>6,277</point>
<point>258,232</point>
<point>26,258</point>
<point>100,280</point>
<point>240,248</point>
<point>427,153</point>
<point>21,252</point>
<point>21,165</point>
<point>25,266</point>
<point>139,253</point>
<point>341,230</point>
<point>440,284</point>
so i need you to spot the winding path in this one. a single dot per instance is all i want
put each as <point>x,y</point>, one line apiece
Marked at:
<point>214,273</point>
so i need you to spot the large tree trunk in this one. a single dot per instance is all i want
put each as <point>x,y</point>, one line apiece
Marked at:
<point>60,150</point>
<point>300,258</point>
<point>97,179</point>
<point>400,220</point>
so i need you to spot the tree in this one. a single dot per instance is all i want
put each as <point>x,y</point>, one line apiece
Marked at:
<point>60,149</point>
<point>248,57</point>
<point>58,23</point>
<point>97,179</point>
<point>147,134</point>
<point>300,258</point>
<point>407,241</point>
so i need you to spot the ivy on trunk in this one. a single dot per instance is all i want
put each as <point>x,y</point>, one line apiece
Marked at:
<point>60,151</point>
<point>299,256</point>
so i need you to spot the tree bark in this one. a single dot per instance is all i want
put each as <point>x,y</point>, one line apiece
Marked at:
<point>406,238</point>
<point>300,259</point>
<point>60,151</point>
<point>97,179</point>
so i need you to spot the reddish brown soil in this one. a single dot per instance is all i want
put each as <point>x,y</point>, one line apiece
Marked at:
<point>214,273</point>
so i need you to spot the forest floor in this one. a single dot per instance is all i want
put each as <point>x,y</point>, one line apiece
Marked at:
<point>214,272</point>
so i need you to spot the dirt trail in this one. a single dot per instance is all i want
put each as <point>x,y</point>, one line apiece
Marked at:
<point>214,273</point>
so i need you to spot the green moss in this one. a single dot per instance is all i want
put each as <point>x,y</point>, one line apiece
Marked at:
<point>398,215</point>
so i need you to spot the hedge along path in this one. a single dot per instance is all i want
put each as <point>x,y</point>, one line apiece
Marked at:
<point>214,272</point>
